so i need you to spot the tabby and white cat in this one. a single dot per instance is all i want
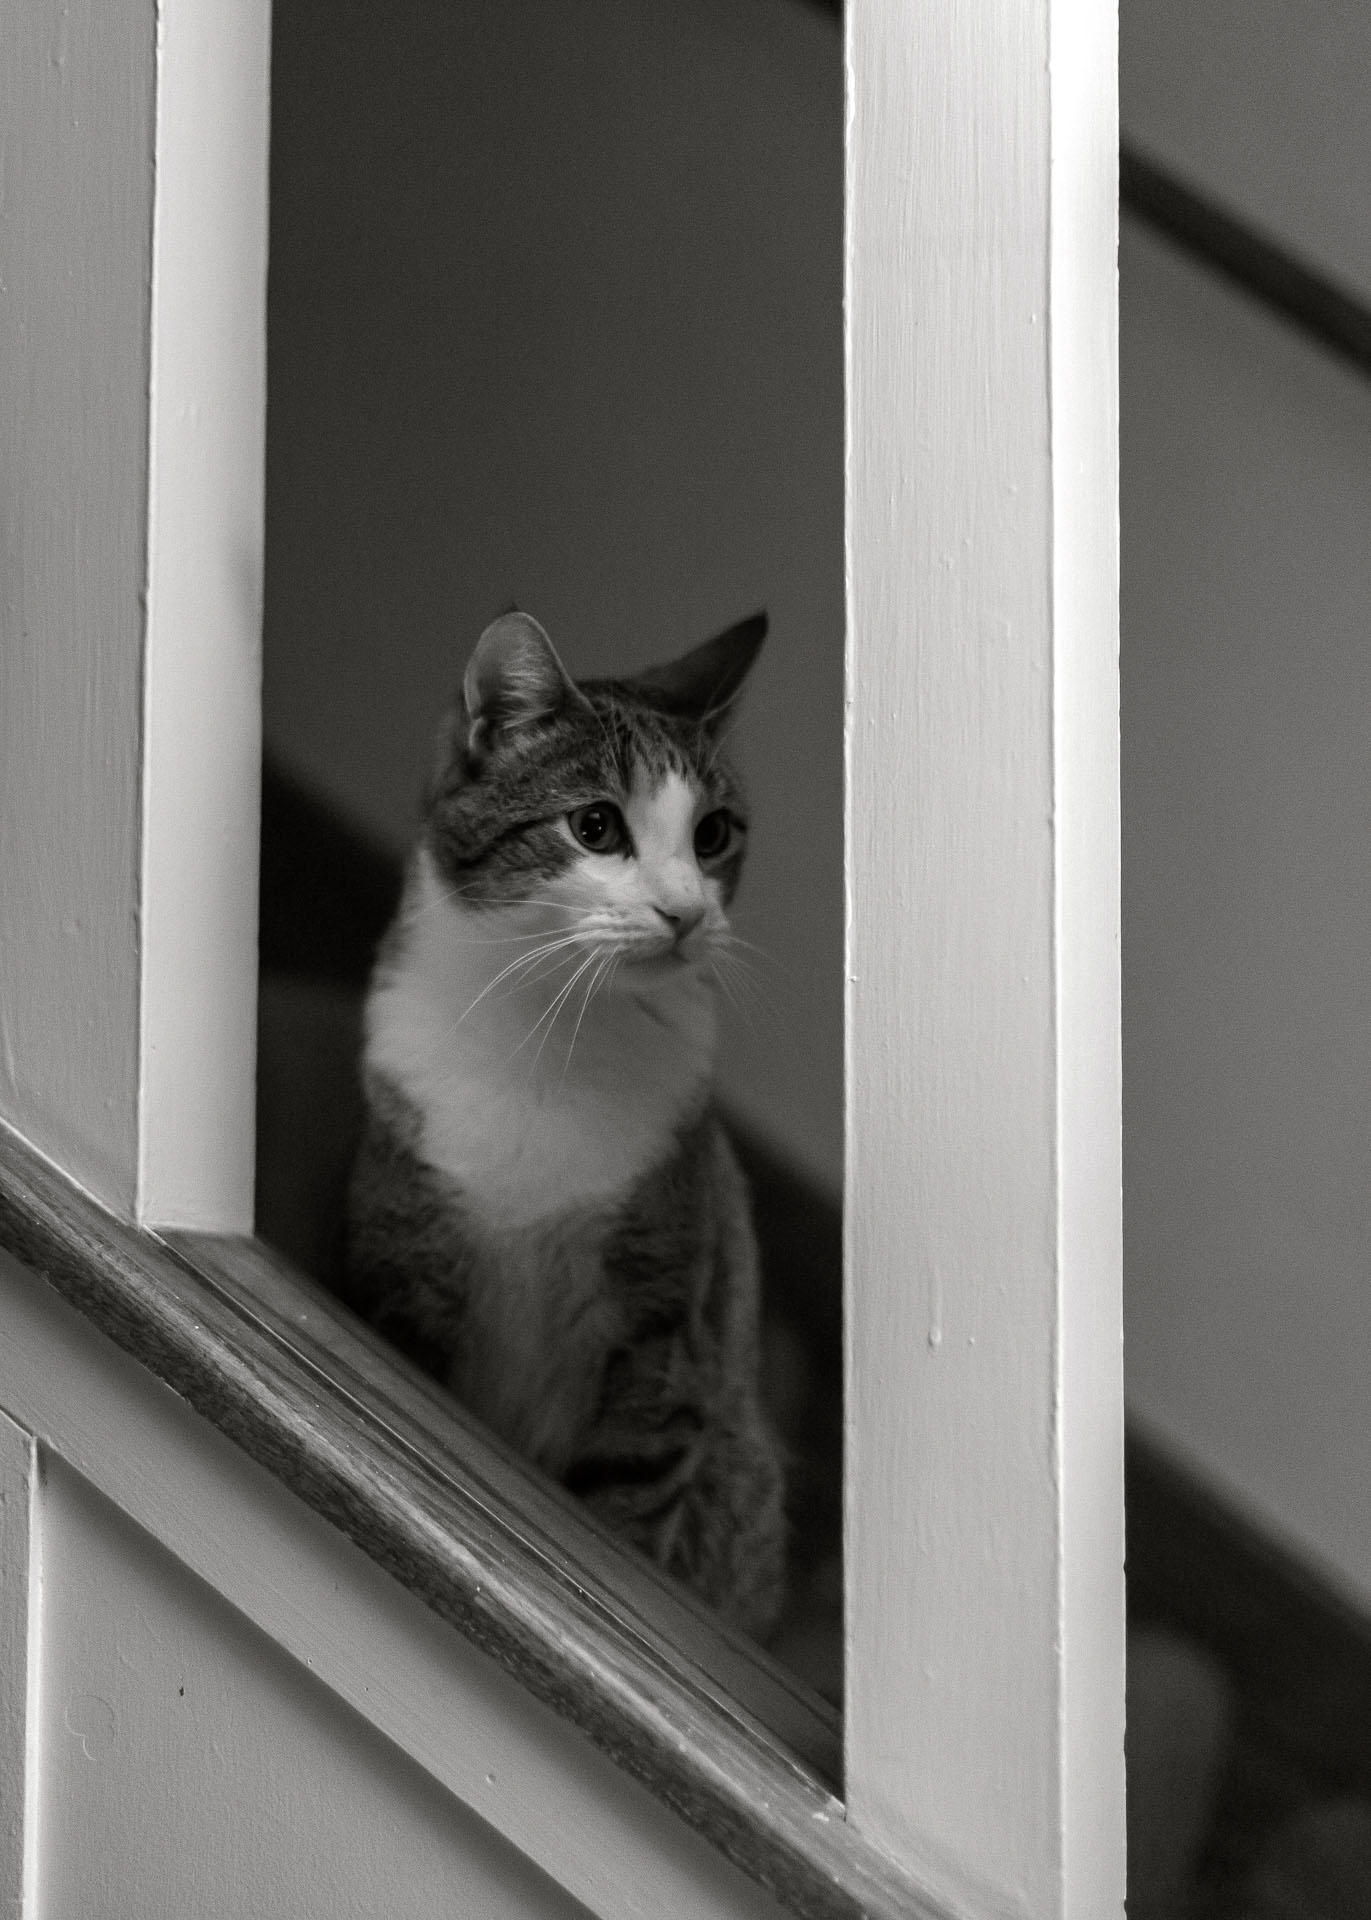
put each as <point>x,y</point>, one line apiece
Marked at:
<point>545,1211</point>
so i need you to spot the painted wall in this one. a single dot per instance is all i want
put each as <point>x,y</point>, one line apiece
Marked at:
<point>1263,104</point>
<point>1247,804</point>
<point>192,1767</point>
<point>555,317</point>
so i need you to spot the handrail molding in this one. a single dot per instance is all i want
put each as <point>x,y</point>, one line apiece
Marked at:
<point>365,1442</point>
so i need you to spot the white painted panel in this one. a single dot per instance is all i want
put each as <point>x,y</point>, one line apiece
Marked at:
<point>984,1546</point>
<point>203,665</point>
<point>19,1627</point>
<point>529,1775</point>
<point>1247,682</point>
<point>192,1768</point>
<point>76,108</point>
<point>1264,104</point>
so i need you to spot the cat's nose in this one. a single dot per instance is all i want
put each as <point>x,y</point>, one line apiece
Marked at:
<point>682,918</point>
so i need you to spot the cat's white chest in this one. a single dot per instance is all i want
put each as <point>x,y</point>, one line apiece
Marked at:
<point>533,1136</point>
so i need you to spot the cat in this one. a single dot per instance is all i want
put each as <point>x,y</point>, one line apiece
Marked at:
<point>545,1211</point>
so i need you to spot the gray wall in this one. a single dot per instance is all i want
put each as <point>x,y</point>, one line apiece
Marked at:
<point>1263,103</point>
<point>1247,799</point>
<point>555,317</point>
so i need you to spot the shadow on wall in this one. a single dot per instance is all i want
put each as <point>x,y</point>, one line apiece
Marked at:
<point>555,319</point>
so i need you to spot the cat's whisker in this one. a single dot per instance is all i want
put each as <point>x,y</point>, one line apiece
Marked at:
<point>446,896</point>
<point>559,1001</point>
<point>596,978</point>
<point>502,902</point>
<point>735,943</point>
<point>542,967</point>
<point>557,950</point>
<point>743,993</point>
<point>501,940</point>
<point>746,984</point>
<point>554,1004</point>
<point>522,964</point>
<point>732,998</point>
<point>522,961</point>
<point>747,976</point>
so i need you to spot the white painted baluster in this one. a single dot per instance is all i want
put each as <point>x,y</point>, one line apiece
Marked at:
<point>133,252</point>
<point>984,1577</point>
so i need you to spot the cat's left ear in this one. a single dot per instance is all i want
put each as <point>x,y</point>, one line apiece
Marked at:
<point>703,684</point>
<point>513,680</point>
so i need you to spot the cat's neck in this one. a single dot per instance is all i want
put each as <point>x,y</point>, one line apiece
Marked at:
<point>540,1088</point>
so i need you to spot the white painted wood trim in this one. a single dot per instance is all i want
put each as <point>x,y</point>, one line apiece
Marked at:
<point>202,724</point>
<point>20,1593</point>
<point>1084,327</point>
<point>76,103</point>
<point>133,254</point>
<point>984,1497</point>
<point>535,1779</point>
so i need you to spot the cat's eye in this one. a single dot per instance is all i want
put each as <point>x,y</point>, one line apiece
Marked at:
<point>599,827</point>
<point>713,835</point>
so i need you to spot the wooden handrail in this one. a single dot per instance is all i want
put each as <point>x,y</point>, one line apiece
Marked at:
<point>728,1740</point>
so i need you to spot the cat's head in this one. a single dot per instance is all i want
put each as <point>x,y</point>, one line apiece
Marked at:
<point>606,809</point>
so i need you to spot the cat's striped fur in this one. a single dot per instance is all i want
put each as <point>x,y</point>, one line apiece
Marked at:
<point>545,1211</point>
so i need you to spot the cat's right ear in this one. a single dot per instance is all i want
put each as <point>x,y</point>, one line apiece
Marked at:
<point>703,684</point>
<point>513,680</point>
